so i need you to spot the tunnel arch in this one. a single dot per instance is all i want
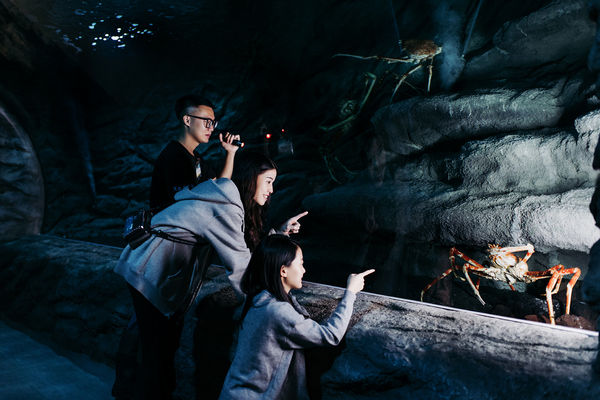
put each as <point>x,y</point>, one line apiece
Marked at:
<point>21,181</point>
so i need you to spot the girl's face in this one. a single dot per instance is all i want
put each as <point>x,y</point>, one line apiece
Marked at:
<point>291,275</point>
<point>264,186</point>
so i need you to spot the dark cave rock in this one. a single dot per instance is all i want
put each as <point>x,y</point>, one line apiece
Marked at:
<point>392,361</point>
<point>15,45</point>
<point>546,41</point>
<point>535,163</point>
<point>575,321</point>
<point>550,222</point>
<point>21,181</point>
<point>66,289</point>
<point>591,287</point>
<point>412,125</point>
<point>546,203</point>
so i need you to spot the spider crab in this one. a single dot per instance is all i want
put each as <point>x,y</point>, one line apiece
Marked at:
<point>417,51</point>
<point>506,267</point>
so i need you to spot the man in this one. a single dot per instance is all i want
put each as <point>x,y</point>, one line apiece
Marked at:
<point>177,165</point>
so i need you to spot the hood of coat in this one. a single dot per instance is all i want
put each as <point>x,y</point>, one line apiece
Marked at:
<point>262,299</point>
<point>220,190</point>
<point>194,208</point>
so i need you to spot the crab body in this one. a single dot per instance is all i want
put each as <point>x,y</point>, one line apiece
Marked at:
<point>415,51</point>
<point>505,266</point>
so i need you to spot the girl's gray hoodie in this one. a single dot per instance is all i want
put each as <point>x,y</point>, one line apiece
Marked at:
<point>167,273</point>
<point>269,359</point>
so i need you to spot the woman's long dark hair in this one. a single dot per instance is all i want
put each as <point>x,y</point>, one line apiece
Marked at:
<point>264,269</point>
<point>246,169</point>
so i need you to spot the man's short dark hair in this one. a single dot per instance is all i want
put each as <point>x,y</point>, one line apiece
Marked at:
<point>191,100</point>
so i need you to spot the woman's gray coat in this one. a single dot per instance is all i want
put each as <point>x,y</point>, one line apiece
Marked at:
<point>269,359</point>
<point>169,274</point>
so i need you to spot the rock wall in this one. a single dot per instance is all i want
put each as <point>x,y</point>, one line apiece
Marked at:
<point>409,126</point>
<point>21,183</point>
<point>591,288</point>
<point>537,43</point>
<point>394,348</point>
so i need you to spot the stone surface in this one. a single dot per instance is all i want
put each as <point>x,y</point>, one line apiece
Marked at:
<point>550,222</point>
<point>47,278</point>
<point>394,347</point>
<point>410,126</point>
<point>591,288</point>
<point>32,370</point>
<point>539,162</point>
<point>21,181</point>
<point>559,33</point>
<point>409,351</point>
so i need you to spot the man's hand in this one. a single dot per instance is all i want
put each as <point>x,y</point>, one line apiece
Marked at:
<point>292,225</point>
<point>226,142</point>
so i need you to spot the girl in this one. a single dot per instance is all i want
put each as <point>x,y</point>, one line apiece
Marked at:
<point>269,360</point>
<point>165,275</point>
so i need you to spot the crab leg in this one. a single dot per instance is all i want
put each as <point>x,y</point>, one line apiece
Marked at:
<point>470,265</point>
<point>388,60</point>
<point>557,286</point>
<point>465,269</point>
<point>430,68</point>
<point>403,77</point>
<point>514,249</point>
<point>549,287</point>
<point>576,274</point>
<point>554,274</point>
<point>442,276</point>
<point>557,272</point>
<point>445,273</point>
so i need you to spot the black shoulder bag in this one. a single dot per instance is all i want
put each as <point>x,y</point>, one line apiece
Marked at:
<point>138,229</point>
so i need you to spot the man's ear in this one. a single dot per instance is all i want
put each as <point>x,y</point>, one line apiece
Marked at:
<point>283,271</point>
<point>186,120</point>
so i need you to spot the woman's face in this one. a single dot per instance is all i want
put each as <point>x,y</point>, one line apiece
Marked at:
<point>264,186</point>
<point>291,275</point>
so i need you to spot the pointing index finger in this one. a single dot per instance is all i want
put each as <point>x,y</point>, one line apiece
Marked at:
<point>297,217</point>
<point>367,272</point>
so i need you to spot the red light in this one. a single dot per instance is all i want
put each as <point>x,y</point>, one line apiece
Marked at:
<point>268,136</point>
<point>282,130</point>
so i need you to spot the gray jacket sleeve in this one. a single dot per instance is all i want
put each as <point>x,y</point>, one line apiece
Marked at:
<point>301,332</point>
<point>226,235</point>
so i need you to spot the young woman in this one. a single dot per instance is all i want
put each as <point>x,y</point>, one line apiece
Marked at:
<point>165,275</point>
<point>269,359</point>
<point>254,176</point>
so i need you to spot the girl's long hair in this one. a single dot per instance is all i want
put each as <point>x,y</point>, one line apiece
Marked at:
<point>246,169</point>
<point>264,269</point>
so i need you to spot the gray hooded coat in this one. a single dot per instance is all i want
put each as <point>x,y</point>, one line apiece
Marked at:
<point>169,274</point>
<point>269,359</point>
